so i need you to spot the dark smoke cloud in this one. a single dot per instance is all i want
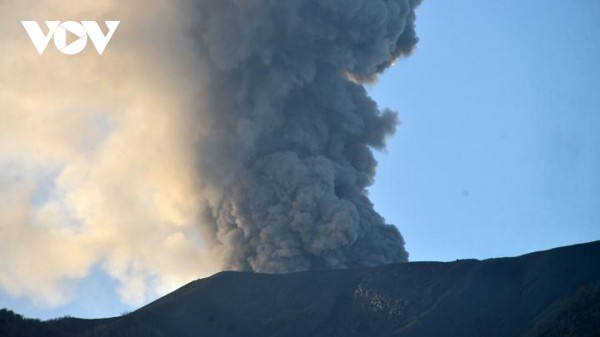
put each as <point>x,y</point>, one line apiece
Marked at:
<point>211,135</point>
<point>289,151</point>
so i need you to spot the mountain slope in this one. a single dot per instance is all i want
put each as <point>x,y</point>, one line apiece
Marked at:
<point>525,295</point>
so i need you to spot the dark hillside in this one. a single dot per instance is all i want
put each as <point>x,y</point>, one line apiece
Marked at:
<point>550,293</point>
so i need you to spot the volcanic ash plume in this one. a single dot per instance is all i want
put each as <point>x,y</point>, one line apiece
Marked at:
<point>292,129</point>
<point>210,135</point>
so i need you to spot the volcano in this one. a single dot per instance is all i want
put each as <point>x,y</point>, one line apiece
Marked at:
<point>549,293</point>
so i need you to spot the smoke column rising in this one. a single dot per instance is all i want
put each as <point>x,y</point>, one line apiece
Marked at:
<point>295,130</point>
<point>210,135</point>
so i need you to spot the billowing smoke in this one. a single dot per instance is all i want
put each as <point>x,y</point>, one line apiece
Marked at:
<point>210,135</point>
<point>292,131</point>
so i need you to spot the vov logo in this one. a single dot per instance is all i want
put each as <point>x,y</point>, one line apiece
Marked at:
<point>59,30</point>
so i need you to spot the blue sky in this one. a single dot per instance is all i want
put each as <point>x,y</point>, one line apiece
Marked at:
<point>499,149</point>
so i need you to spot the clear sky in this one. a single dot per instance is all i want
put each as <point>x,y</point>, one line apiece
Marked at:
<point>499,149</point>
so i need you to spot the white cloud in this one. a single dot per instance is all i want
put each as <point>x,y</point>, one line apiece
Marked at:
<point>96,165</point>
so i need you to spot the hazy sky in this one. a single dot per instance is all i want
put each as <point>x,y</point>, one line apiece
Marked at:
<point>499,149</point>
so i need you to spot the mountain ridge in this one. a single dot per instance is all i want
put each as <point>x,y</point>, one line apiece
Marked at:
<point>526,295</point>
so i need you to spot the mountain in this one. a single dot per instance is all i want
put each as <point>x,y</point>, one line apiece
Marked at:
<point>549,293</point>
